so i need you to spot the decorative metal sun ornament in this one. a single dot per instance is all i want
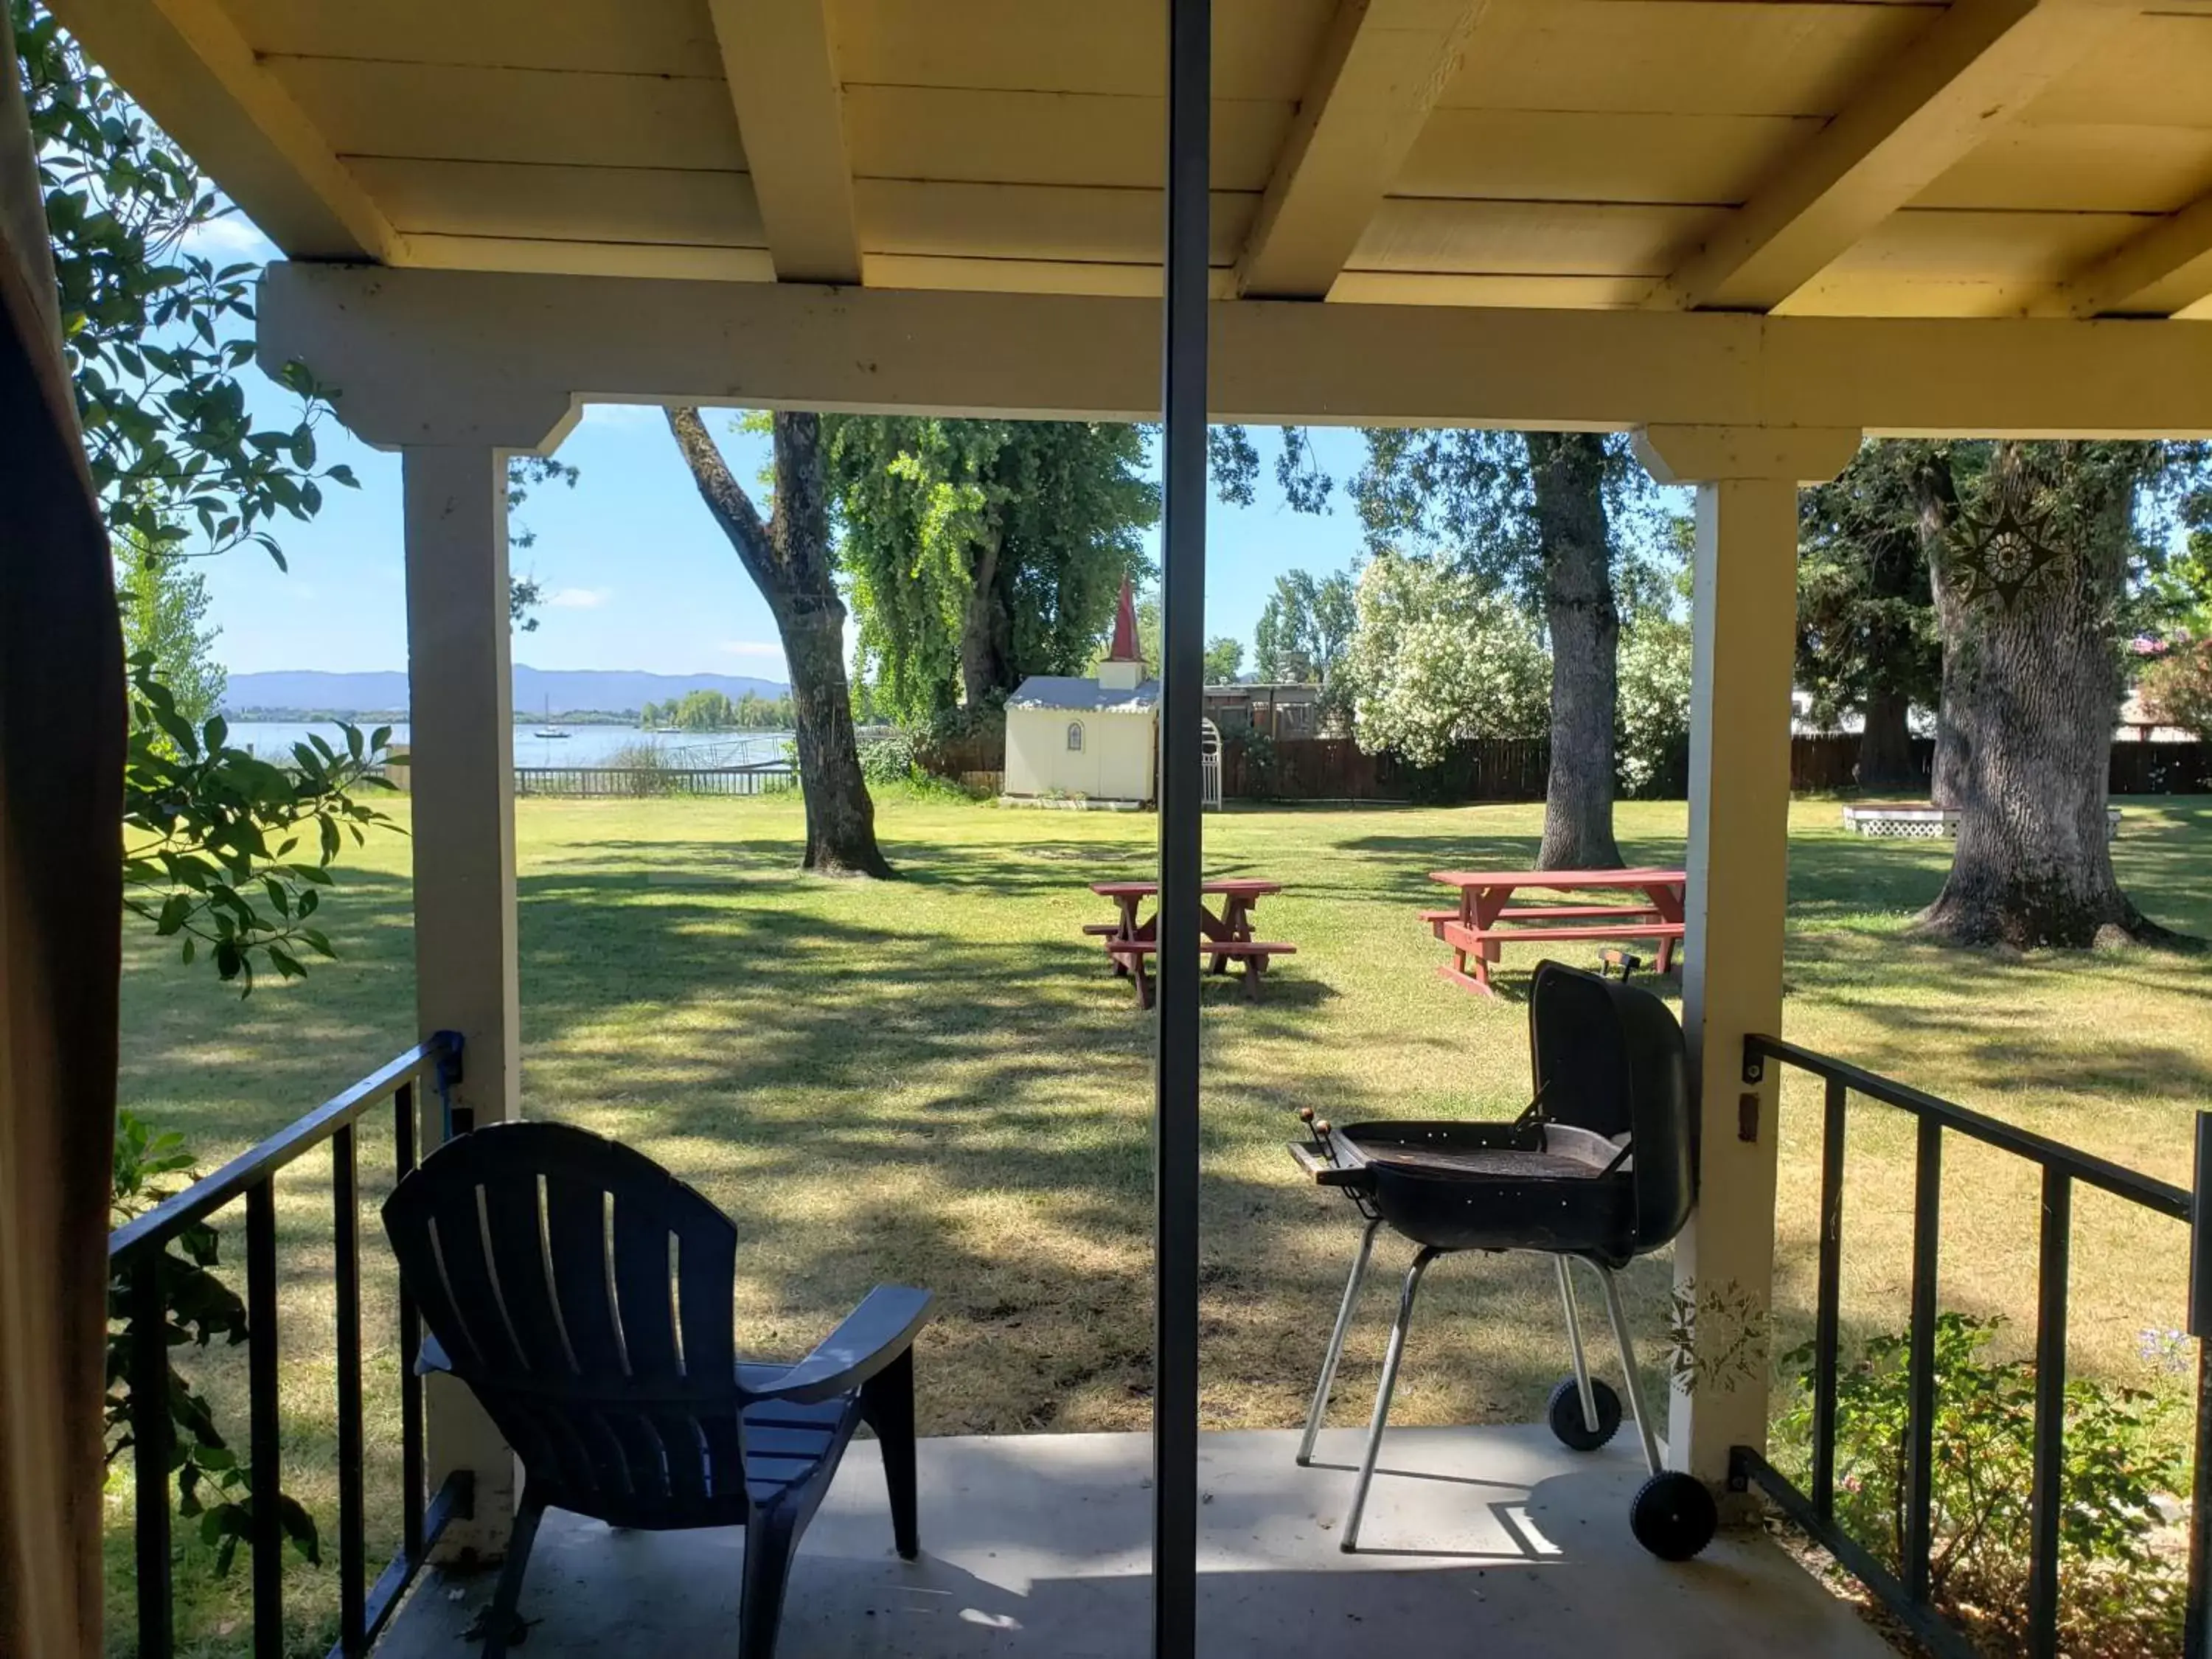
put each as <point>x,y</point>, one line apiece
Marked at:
<point>1999,552</point>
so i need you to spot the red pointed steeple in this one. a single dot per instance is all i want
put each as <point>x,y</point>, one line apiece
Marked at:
<point>1124,648</point>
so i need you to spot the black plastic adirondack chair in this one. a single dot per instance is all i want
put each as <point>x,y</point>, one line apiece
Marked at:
<point>585,1294</point>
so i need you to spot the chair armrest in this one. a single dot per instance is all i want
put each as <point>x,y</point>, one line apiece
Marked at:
<point>875,1334</point>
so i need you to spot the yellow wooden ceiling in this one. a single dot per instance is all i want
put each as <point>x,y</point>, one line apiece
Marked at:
<point>1879,157</point>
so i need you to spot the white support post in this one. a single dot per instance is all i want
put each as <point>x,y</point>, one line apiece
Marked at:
<point>462,737</point>
<point>1745,600</point>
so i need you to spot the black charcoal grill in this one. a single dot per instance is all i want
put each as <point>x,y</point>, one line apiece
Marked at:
<point>1600,1168</point>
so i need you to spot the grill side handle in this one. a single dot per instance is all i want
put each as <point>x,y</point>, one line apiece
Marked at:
<point>1326,1173</point>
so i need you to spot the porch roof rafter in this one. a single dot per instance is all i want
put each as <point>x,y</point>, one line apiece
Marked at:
<point>1976,67</point>
<point>782,73</point>
<point>1383,64</point>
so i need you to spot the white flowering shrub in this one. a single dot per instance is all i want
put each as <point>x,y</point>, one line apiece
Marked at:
<point>1434,657</point>
<point>1651,732</point>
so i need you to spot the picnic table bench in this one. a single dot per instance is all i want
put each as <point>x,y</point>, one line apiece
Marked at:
<point>1131,939</point>
<point>1485,919</point>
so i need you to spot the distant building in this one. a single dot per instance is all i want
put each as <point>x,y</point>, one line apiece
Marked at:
<point>1091,738</point>
<point>1285,709</point>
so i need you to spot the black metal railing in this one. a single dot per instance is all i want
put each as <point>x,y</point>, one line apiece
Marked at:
<point>137,1252</point>
<point>2062,1168</point>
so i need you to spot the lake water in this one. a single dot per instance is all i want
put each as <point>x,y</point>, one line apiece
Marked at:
<point>585,746</point>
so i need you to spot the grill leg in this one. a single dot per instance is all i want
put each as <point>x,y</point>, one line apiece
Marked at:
<point>1575,1344</point>
<point>1613,1311</point>
<point>1319,1409</point>
<point>1350,1539</point>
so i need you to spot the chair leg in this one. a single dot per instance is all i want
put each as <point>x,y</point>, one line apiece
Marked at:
<point>887,1407</point>
<point>499,1619</point>
<point>1575,1344</point>
<point>1613,1312</point>
<point>1319,1410</point>
<point>1397,1350</point>
<point>768,1545</point>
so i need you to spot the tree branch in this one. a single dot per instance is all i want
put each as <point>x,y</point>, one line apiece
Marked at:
<point>726,500</point>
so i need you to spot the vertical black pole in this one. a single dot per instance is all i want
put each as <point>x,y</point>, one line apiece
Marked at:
<point>264,1424</point>
<point>153,1438</point>
<point>1826,1305</point>
<point>1920,1422</point>
<point>2196,1631</point>
<point>353,1545</point>
<point>1175,1122</point>
<point>2048,1494</point>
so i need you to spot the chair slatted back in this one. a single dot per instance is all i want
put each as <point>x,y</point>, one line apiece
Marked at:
<point>586,1295</point>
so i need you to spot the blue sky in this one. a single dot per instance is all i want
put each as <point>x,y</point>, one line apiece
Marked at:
<point>635,574</point>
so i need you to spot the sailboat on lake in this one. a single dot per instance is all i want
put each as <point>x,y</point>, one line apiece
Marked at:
<point>550,730</point>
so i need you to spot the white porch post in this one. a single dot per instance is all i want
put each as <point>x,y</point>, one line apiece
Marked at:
<point>462,735</point>
<point>1744,644</point>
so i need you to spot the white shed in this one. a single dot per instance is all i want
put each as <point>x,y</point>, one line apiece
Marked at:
<point>1087,739</point>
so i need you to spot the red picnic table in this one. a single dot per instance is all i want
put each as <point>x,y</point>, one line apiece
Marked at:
<point>1131,938</point>
<point>1485,919</point>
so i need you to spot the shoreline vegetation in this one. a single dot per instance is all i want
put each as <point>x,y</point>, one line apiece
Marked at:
<point>399,716</point>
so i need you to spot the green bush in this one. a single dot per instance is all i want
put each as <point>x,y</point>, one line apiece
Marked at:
<point>1256,751</point>
<point>888,759</point>
<point>2120,1592</point>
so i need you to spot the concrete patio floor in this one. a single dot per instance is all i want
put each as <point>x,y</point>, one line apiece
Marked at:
<point>1489,1541</point>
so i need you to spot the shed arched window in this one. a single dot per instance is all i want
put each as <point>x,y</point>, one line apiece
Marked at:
<point>1075,737</point>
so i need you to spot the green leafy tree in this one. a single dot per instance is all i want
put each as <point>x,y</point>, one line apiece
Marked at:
<point>1435,657</point>
<point>2177,686</point>
<point>1225,660</point>
<point>1866,638</point>
<point>2043,560</point>
<point>1551,518</point>
<point>792,559</point>
<point>157,337</point>
<point>981,552</point>
<point>164,603</point>
<point>1303,628</point>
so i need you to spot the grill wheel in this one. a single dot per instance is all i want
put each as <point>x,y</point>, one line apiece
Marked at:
<point>1673,1515</point>
<point>1566,1413</point>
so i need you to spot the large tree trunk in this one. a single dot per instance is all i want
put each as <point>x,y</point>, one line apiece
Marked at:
<point>1885,746</point>
<point>1568,469</point>
<point>986,632</point>
<point>1938,495</point>
<point>789,559</point>
<point>2032,687</point>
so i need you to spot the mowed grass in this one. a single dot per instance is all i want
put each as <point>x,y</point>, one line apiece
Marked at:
<point>937,1082</point>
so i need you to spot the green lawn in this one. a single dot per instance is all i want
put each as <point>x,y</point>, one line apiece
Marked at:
<point>937,1082</point>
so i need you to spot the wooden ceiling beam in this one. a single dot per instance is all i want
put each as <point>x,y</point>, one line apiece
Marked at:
<point>1383,65</point>
<point>1971,71</point>
<point>209,91</point>
<point>777,57</point>
<point>2166,268</point>
<point>449,356</point>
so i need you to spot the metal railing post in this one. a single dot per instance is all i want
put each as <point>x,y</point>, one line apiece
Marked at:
<point>2048,1494</point>
<point>1920,1425</point>
<point>2197,1635</point>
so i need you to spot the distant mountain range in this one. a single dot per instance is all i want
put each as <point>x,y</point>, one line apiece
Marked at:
<point>613,690</point>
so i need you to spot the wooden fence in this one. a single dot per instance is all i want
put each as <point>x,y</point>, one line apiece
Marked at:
<point>1515,768</point>
<point>610,783</point>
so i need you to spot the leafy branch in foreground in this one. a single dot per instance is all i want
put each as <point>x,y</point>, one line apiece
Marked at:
<point>225,851</point>
<point>213,1484</point>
